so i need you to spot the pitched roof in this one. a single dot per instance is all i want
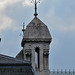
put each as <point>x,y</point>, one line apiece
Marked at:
<point>13,66</point>
<point>7,59</point>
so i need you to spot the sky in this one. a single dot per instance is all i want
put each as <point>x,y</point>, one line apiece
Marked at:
<point>58,15</point>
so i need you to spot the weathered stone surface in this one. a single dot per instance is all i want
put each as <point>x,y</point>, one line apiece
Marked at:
<point>20,55</point>
<point>35,44</point>
<point>8,59</point>
<point>36,30</point>
<point>13,66</point>
<point>16,69</point>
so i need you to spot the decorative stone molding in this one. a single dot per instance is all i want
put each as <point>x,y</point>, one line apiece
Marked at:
<point>28,54</point>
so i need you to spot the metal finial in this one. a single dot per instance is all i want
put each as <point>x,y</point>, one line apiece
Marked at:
<point>0,39</point>
<point>23,28</point>
<point>35,2</point>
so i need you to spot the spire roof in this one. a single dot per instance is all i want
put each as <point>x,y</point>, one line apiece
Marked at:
<point>36,30</point>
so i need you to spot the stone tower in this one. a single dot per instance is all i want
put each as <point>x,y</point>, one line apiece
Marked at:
<point>35,45</point>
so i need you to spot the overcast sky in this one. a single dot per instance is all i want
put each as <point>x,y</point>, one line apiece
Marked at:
<point>58,15</point>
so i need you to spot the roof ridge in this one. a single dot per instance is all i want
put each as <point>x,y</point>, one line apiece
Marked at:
<point>13,58</point>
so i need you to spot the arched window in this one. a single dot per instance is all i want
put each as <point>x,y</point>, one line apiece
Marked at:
<point>37,57</point>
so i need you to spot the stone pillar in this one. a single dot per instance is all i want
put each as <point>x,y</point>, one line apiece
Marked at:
<point>33,58</point>
<point>41,59</point>
<point>48,62</point>
<point>24,53</point>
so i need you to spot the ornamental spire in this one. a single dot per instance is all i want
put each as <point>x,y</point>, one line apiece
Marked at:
<point>35,3</point>
<point>23,28</point>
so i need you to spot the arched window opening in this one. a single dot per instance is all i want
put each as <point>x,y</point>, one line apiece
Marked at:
<point>37,58</point>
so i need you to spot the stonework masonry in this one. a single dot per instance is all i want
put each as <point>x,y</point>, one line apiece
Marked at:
<point>35,45</point>
<point>13,66</point>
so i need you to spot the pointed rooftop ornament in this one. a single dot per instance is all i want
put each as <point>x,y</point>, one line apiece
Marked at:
<point>0,39</point>
<point>23,28</point>
<point>35,2</point>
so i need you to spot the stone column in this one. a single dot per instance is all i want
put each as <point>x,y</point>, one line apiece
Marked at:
<point>48,61</point>
<point>33,58</point>
<point>24,53</point>
<point>41,59</point>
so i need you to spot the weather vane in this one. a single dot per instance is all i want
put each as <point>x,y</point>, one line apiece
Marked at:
<point>35,2</point>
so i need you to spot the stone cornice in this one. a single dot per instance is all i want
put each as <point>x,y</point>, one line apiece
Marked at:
<point>35,40</point>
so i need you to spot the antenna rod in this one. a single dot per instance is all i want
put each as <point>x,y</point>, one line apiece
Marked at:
<point>23,28</point>
<point>0,39</point>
